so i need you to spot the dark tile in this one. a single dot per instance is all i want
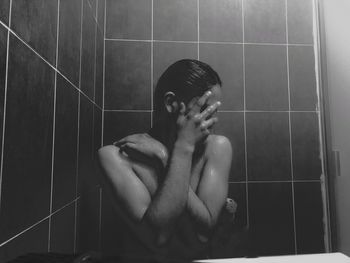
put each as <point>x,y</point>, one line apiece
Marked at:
<point>36,23</point>
<point>87,178</point>
<point>93,6</point>
<point>88,222</point>
<point>4,11</point>
<point>306,146</point>
<point>99,69</point>
<point>120,124</point>
<point>101,6</point>
<point>264,21</point>
<point>3,54</point>
<point>27,157</point>
<point>271,218</point>
<point>302,77</point>
<point>32,241</point>
<point>97,128</point>
<point>266,78</point>
<point>231,125</point>
<point>88,52</point>
<point>268,151</point>
<point>129,19</point>
<point>165,54</point>
<point>309,218</point>
<point>63,230</point>
<point>175,20</point>
<point>128,75</point>
<point>66,136</point>
<point>230,238</point>
<point>300,16</point>
<point>69,39</point>
<point>220,21</point>
<point>227,61</point>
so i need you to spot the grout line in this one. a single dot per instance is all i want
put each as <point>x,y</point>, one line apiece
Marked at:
<point>37,223</point>
<point>206,42</point>
<point>276,181</point>
<point>48,63</point>
<point>96,32</point>
<point>54,126</point>
<point>5,102</point>
<point>75,227</point>
<point>244,115</point>
<point>197,29</point>
<point>152,62</point>
<point>225,111</point>
<point>104,72</point>
<point>290,130</point>
<point>128,110</point>
<point>100,222</point>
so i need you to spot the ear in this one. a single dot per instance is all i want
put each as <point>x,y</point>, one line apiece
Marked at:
<point>170,102</point>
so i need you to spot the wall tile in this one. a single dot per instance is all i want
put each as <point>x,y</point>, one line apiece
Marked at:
<point>129,19</point>
<point>302,77</point>
<point>227,61</point>
<point>66,135</point>
<point>128,76</point>
<point>27,157</point>
<point>4,11</point>
<point>88,219</point>
<point>88,52</point>
<point>231,125</point>
<point>165,54</point>
<point>175,20</point>
<point>309,218</point>
<point>93,6</point>
<point>268,151</point>
<point>3,54</point>
<point>306,146</point>
<point>62,230</point>
<point>300,15</point>
<point>101,5</point>
<point>220,22</point>
<point>271,218</point>
<point>69,39</point>
<point>264,21</point>
<point>34,240</point>
<point>97,128</point>
<point>266,77</point>
<point>36,23</point>
<point>99,69</point>
<point>230,239</point>
<point>87,180</point>
<point>120,124</point>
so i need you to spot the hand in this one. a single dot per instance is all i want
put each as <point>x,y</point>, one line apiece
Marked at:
<point>143,145</point>
<point>194,124</point>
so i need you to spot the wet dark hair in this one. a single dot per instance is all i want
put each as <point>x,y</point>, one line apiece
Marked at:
<point>187,78</point>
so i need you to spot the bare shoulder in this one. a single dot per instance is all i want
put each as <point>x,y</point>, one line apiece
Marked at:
<point>218,146</point>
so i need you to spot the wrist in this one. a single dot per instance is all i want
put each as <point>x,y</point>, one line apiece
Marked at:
<point>184,146</point>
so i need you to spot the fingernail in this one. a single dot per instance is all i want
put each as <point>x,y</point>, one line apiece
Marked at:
<point>219,103</point>
<point>208,93</point>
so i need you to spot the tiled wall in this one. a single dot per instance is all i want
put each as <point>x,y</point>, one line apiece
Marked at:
<point>264,52</point>
<point>51,87</point>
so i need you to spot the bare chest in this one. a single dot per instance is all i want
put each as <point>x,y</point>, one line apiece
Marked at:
<point>151,175</point>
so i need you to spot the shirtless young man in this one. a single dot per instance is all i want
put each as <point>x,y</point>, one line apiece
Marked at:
<point>171,183</point>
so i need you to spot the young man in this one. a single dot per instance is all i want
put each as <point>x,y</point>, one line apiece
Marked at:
<point>171,183</point>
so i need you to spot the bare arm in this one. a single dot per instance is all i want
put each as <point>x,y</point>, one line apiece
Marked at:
<point>205,205</point>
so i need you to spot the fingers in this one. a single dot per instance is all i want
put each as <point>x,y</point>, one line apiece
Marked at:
<point>196,107</point>
<point>182,108</point>
<point>209,111</point>
<point>205,125</point>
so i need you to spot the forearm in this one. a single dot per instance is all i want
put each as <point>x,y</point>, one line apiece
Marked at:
<point>200,213</point>
<point>171,197</point>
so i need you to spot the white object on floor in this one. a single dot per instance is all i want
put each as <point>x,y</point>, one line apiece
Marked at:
<point>310,258</point>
